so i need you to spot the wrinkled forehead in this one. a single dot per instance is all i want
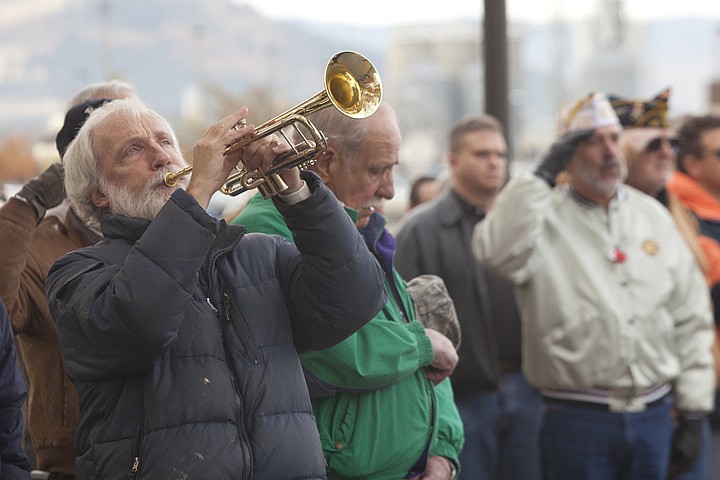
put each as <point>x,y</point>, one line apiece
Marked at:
<point>121,125</point>
<point>134,119</point>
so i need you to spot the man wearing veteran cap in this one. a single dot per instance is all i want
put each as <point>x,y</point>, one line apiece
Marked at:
<point>650,150</point>
<point>647,141</point>
<point>617,326</point>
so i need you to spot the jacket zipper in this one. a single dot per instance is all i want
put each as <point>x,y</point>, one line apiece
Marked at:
<point>224,319</point>
<point>231,311</point>
<point>210,265</point>
<point>247,472</point>
<point>136,455</point>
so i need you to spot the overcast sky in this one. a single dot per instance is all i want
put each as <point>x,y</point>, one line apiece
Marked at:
<point>398,12</point>
<point>392,12</point>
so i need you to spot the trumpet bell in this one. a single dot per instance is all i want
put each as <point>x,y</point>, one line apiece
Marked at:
<point>353,84</point>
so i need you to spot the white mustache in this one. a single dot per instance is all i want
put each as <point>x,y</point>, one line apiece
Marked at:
<point>158,179</point>
<point>374,203</point>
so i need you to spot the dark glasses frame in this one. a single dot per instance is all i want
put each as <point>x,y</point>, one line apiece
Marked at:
<point>656,144</point>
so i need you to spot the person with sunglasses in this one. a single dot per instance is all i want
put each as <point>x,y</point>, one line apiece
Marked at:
<point>647,141</point>
<point>651,149</point>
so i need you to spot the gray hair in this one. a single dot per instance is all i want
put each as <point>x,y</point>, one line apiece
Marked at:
<point>345,134</point>
<point>95,91</point>
<point>82,173</point>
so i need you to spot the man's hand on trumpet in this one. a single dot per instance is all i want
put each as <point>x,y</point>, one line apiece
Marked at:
<point>262,154</point>
<point>211,167</point>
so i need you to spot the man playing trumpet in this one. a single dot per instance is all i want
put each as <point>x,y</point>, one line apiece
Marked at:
<point>182,333</point>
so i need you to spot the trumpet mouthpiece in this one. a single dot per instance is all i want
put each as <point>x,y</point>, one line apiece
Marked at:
<point>170,179</point>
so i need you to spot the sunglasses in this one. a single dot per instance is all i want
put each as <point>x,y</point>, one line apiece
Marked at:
<point>656,144</point>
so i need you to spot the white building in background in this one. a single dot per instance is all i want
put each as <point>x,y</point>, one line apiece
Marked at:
<point>433,76</point>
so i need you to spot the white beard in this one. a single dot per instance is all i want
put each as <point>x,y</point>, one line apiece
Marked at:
<point>144,204</point>
<point>603,187</point>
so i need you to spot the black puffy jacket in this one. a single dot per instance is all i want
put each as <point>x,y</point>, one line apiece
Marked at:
<point>182,336</point>
<point>14,464</point>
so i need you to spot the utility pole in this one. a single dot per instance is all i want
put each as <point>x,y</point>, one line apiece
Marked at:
<point>496,64</point>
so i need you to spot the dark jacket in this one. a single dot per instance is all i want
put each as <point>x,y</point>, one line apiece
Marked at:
<point>14,463</point>
<point>436,239</point>
<point>182,335</point>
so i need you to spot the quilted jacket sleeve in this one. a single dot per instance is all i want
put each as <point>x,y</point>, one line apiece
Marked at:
<point>338,286</point>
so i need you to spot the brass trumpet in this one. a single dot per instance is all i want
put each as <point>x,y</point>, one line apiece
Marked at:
<point>352,86</point>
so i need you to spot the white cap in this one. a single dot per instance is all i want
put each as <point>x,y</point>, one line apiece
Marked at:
<point>590,112</point>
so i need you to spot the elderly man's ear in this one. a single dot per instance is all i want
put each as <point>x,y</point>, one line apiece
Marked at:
<point>324,164</point>
<point>99,199</point>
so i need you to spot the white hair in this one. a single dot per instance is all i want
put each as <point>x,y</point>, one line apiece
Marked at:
<point>82,173</point>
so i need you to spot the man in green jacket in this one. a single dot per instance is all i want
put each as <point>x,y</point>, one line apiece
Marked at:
<point>382,400</point>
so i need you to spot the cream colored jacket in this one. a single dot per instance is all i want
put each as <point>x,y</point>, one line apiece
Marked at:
<point>611,301</point>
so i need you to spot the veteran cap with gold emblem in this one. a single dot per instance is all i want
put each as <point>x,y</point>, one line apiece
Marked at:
<point>638,112</point>
<point>590,112</point>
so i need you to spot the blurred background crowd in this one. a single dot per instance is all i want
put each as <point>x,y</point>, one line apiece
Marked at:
<point>437,60</point>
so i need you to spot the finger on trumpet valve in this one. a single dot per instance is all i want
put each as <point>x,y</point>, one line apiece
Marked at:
<point>240,124</point>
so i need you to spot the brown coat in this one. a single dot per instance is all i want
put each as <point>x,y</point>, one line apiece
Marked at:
<point>28,251</point>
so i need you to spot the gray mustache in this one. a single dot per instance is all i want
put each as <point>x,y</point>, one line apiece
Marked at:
<point>610,163</point>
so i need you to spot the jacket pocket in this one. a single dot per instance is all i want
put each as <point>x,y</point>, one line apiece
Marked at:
<point>337,427</point>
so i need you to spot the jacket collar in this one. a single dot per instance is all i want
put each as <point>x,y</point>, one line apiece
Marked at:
<point>131,229</point>
<point>372,231</point>
<point>126,228</point>
<point>454,208</point>
<point>620,196</point>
